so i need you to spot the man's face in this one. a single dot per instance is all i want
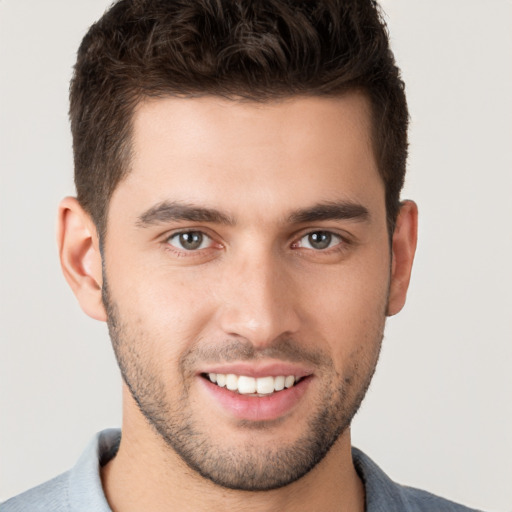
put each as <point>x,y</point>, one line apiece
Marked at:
<point>247,250</point>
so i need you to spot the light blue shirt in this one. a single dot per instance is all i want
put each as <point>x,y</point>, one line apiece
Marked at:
<point>80,490</point>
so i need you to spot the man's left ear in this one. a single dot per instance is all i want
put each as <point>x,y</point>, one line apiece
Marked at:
<point>403,248</point>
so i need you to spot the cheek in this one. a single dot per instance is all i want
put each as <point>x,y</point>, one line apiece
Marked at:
<point>164,311</point>
<point>349,312</point>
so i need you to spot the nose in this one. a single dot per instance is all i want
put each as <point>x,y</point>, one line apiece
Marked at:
<point>258,300</point>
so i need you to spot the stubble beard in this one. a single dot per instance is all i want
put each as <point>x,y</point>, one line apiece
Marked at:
<point>247,468</point>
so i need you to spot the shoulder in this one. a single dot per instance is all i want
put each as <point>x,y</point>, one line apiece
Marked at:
<point>49,496</point>
<point>422,501</point>
<point>77,490</point>
<point>382,494</point>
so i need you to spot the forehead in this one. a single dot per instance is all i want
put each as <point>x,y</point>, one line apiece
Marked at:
<point>232,154</point>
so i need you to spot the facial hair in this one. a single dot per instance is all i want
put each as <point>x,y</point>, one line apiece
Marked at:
<point>247,467</point>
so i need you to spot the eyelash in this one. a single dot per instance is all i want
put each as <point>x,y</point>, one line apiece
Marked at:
<point>182,252</point>
<point>341,244</point>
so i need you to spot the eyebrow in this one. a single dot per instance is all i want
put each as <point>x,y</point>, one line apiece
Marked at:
<point>169,211</point>
<point>343,210</point>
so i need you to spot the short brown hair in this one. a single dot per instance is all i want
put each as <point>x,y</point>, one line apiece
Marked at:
<point>253,49</point>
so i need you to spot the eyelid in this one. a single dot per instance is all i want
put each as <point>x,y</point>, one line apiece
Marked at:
<point>344,238</point>
<point>192,229</point>
<point>182,252</point>
<point>206,239</point>
<point>334,243</point>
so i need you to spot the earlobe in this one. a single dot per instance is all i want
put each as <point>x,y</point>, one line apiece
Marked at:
<point>403,249</point>
<point>80,256</point>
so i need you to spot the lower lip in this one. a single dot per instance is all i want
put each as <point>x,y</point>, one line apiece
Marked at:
<point>254,408</point>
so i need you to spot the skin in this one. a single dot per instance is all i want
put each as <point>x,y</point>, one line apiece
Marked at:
<point>256,285</point>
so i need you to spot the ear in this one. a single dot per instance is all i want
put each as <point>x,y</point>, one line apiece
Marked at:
<point>80,256</point>
<point>403,248</point>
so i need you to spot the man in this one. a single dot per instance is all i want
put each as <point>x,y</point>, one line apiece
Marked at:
<point>238,225</point>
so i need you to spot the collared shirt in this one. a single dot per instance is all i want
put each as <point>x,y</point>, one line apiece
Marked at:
<point>80,490</point>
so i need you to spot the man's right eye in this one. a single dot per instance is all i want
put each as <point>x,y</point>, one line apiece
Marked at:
<point>190,240</point>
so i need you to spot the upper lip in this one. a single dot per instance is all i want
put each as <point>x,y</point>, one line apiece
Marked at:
<point>269,369</point>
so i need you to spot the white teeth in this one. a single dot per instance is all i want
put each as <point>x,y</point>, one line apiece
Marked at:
<point>246,385</point>
<point>279,383</point>
<point>231,382</point>
<point>251,385</point>
<point>289,381</point>
<point>265,385</point>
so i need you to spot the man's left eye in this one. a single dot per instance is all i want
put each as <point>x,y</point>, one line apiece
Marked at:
<point>190,240</point>
<point>320,240</point>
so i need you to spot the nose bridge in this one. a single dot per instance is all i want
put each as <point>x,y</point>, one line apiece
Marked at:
<point>258,300</point>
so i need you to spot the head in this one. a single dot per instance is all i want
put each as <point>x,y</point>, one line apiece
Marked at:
<point>257,51</point>
<point>238,168</point>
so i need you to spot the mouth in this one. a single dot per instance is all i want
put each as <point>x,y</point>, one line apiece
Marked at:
<point>253,386</point>
<point>256,394</point>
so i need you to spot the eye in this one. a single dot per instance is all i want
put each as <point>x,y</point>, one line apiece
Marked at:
<point>190,240</point>
<point>320,240</point>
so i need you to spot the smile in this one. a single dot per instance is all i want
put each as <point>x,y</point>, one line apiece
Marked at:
<point>256,394</point>
<point>253,386</point>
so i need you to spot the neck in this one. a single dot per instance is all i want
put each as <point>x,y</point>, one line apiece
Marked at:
<point>146,474</point>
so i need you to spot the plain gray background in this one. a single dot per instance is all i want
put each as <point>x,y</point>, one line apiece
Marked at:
<point>439,413</point>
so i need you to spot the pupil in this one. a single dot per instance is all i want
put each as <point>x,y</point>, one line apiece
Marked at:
<point>191,240</point>
<point>320,240</point>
